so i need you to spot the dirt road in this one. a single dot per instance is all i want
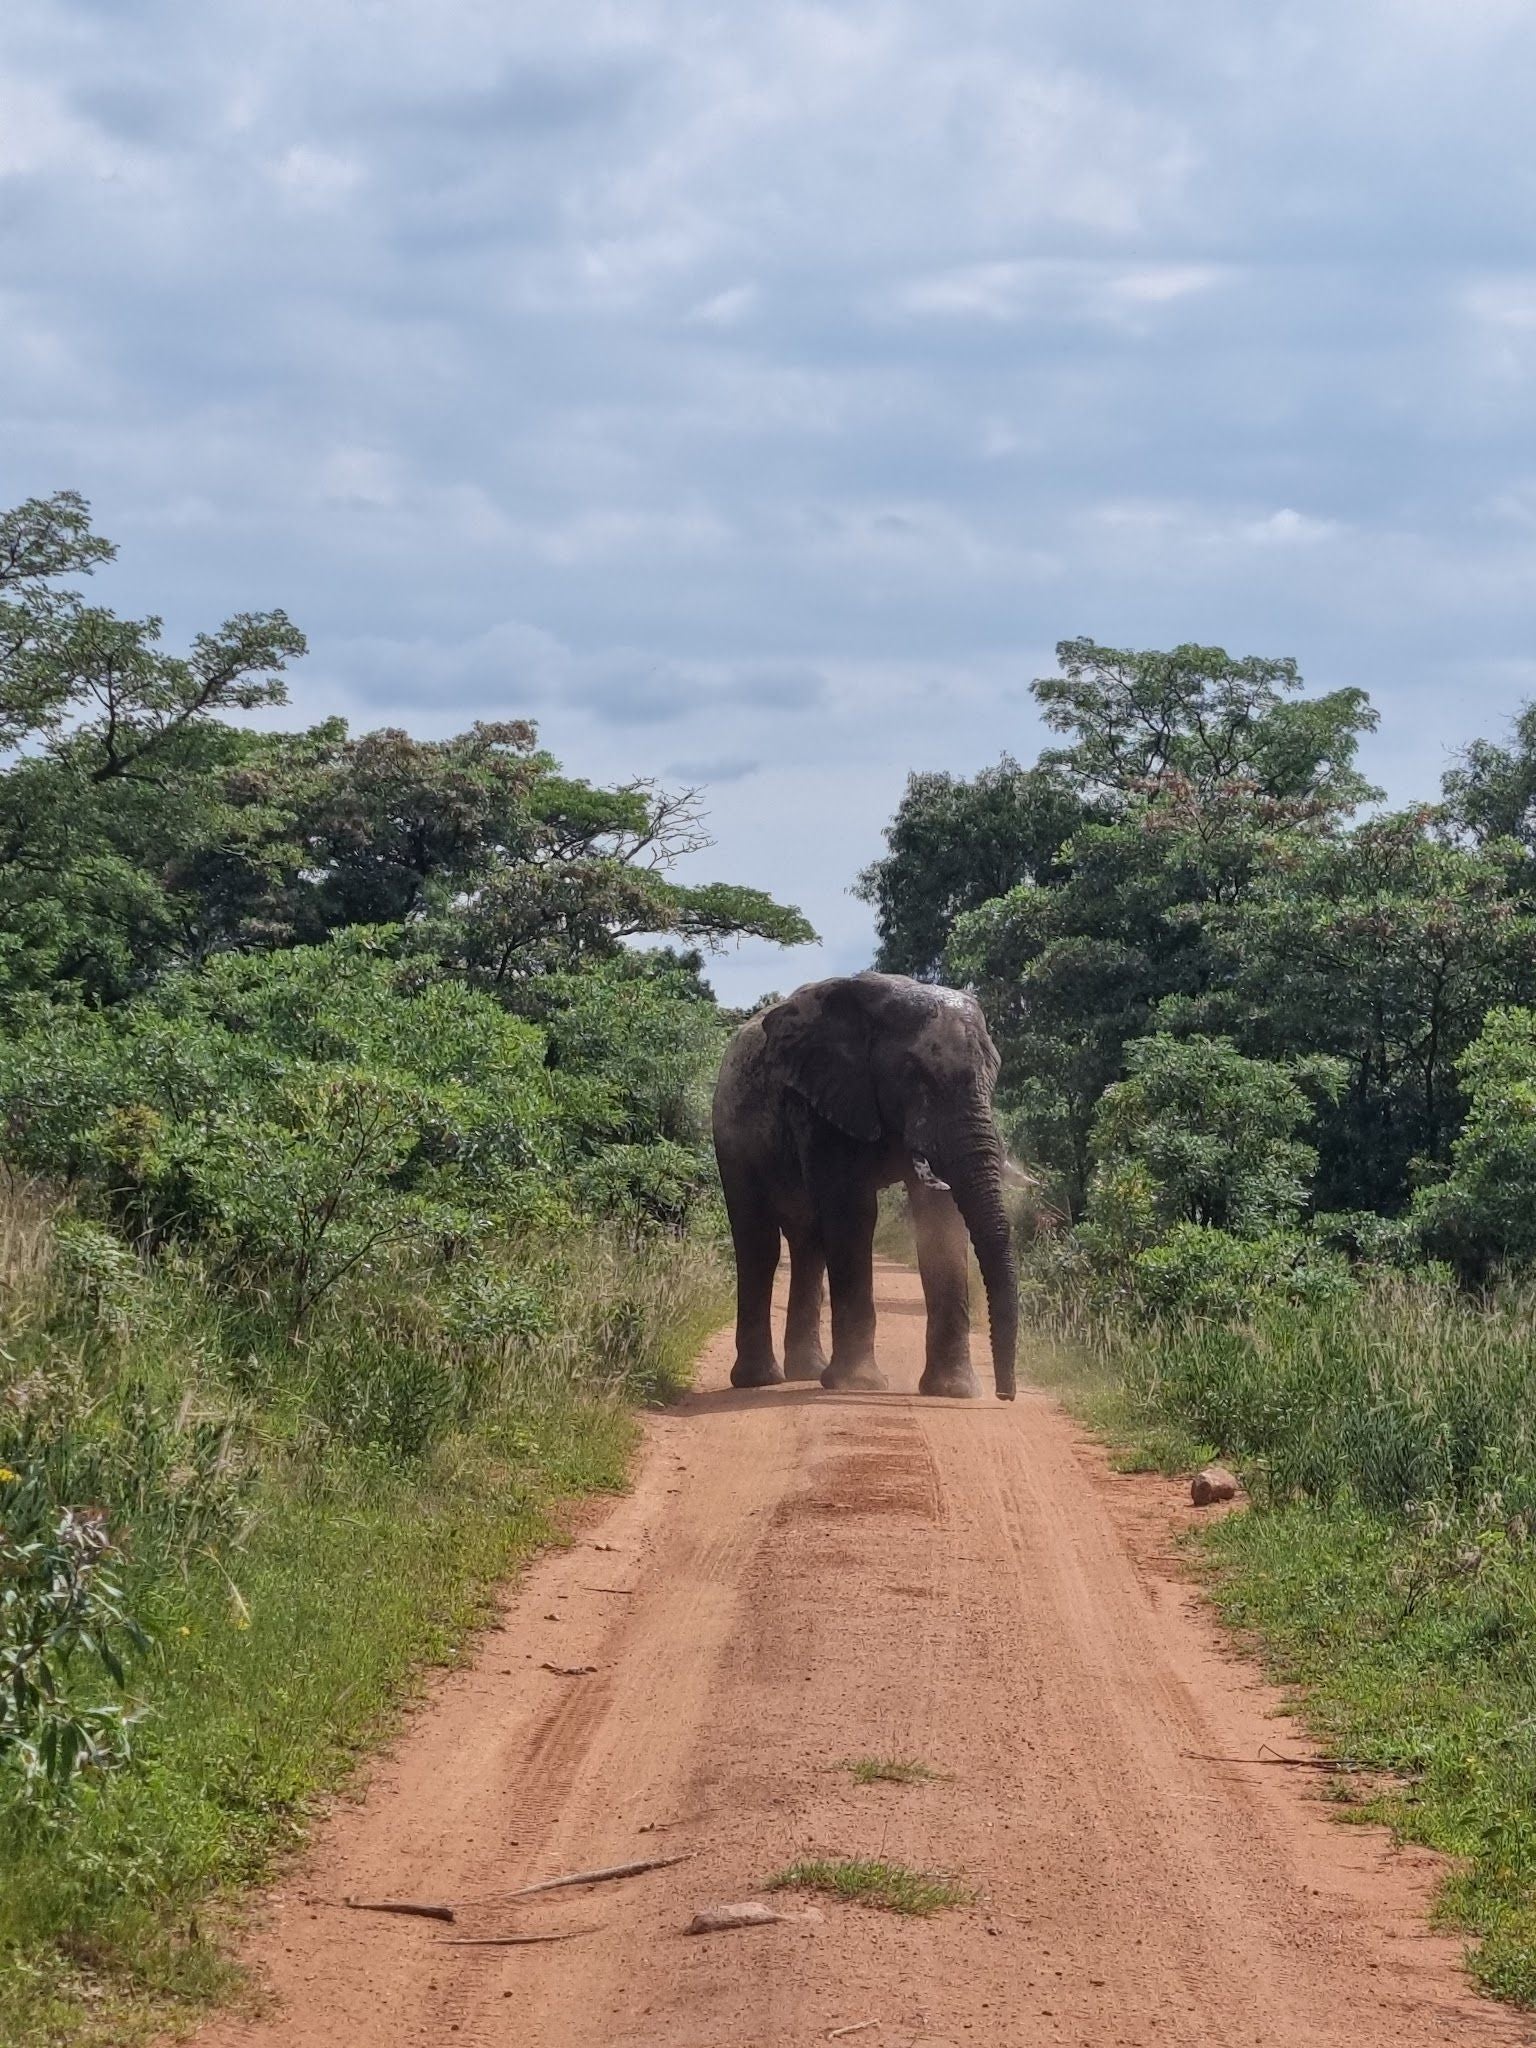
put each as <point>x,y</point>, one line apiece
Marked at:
<point>799,1579</point>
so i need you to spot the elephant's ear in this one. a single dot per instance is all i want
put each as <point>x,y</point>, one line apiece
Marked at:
<point>821,1038</point>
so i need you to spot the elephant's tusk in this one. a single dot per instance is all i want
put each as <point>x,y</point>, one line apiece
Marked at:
<point>926,1174</point>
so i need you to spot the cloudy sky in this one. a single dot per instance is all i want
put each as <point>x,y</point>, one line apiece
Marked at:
<point>755,394</point>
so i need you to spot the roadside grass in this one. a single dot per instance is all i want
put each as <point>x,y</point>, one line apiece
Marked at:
<point>874,1770</point>
<point>867,1881</point>
<point>375,1488</point>
<point>1386,1573</point>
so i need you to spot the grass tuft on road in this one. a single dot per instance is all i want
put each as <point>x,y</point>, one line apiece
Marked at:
<point>877,1770</point>
<point>869,1881</point>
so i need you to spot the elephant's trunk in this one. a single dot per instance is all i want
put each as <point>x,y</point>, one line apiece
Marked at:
<point>976,1178</point>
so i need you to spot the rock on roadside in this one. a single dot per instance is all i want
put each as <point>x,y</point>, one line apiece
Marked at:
<point>1214,1483</point>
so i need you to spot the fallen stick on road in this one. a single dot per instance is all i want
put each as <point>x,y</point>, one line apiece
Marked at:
<point>603,1876</point>
<point>512,1940</point>
<point>410,1906</point>
<point>1295,1763</point>
<point>627,1591</point>
<point>858,2027</point>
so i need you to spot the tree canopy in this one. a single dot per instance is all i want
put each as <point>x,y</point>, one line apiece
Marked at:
<point>1188,862</point>
<point>142,829</point>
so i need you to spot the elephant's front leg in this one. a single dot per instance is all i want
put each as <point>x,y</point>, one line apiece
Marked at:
<point>804,1358</point>
<point>943,1260</point>
<point>755,1240</point>
<point>848,1212</point>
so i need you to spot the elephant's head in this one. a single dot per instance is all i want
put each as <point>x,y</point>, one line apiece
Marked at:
<point>888,1060</point>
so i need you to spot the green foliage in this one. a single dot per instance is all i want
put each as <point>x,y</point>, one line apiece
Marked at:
<point>1384,950</point>
<point>295,1529</point>
<point>890,1770</point>
<point>1398,1394</point>
<point>1411,1642</point>
<point>372,1149</point>
<point>1199,1271</point>
<point>1187,769</point>
<point>954,845</point>
<point>1186,864</point>
<point>59,1610</point>
<point>141,830</point>
<point>1209,1133</point>
<point>1484,1212</point>
<point>1491,793</point>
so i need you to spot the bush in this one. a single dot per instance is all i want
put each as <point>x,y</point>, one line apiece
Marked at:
<point>1202,1272</point>
<point>1206,1136</point>
<point>1484,1213</point>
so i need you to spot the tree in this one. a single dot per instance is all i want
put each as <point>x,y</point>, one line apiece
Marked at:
<point>141,829</point>
<point>1386,950</point>
<point>1211,1133</point>
<point>1078,895</point>
<point>956,844</point>
<point>1484,1213</point>
<point>1491,793</point>
<point>1197,716</point>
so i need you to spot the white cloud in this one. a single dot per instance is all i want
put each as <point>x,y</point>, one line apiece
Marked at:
<point>318,178</point>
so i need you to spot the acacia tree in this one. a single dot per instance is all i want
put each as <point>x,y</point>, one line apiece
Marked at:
<point>140,828</point>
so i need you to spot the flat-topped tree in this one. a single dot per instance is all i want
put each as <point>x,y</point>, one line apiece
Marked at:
<point>142,828</point>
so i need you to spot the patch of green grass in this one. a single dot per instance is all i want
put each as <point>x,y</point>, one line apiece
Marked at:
<point>867,1881</point>
<point>1406,1632</point>
<point>269,1685</point>
<point>1412,1648</point>
<point>876,1770</point>
<point>1139,1436</point>
<point>395,1469</point>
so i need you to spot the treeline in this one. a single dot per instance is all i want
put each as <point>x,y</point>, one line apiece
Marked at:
<point>349,1150</point>
<point>1246,1032</point>
<point>236,964</point>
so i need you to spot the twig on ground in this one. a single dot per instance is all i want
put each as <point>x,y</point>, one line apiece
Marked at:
<point>1295,1763</point>
<point>571,1877</point>
<point>858,2027</point>
<point>513,1940</point>
<point>410,1906</point>
<point>627,1591</point>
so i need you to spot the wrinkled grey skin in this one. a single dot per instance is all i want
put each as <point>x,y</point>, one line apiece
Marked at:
<point>842,1089</point>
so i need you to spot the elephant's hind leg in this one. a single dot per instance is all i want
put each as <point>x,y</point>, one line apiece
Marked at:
<point>943,1259</point>
<point>755,1239</point>
<point>804,1358</point>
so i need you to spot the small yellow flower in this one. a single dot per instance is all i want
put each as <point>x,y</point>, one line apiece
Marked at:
<point>6,1474</point>
<point>183,1631</point>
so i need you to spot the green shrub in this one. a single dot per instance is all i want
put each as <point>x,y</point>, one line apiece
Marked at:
<point>1206,1136</point>
<point>1484,1213</point>
<point>1203,1272</point>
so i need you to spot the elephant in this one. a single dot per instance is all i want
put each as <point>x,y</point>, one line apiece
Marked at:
<point>843,1088</point>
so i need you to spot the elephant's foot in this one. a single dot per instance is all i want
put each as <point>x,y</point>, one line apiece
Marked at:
<point>952,1382</point>
<point>863,1376</point>
<point>756,1372</point>
<point>804,1365</point>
